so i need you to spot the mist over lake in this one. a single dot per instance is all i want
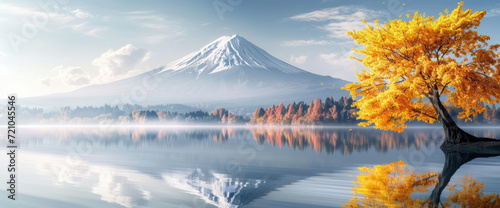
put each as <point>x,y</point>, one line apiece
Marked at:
<point>211,166</point>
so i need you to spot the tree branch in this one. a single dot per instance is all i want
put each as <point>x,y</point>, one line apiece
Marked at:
<point>425,114</point>
<point>444,87</point>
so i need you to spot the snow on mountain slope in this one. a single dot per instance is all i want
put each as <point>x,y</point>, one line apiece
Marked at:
<point>227,52</point>
<point>229,72</point>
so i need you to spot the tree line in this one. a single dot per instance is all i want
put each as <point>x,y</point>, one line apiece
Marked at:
<point>318,112</point>
<point>219,115</point>
<point>328,112</point>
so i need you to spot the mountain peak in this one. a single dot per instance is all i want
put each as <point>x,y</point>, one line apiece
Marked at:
<point>228,52</point>
<point>228,38</point>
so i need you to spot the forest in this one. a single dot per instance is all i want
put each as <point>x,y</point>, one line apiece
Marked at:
<point>317,112</point>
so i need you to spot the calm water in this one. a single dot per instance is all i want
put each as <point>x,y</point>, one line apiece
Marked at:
<point>217,166</point>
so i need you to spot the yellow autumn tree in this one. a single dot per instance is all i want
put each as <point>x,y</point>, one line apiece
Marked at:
<point>472,195</point>
<point>392,185</point>
<point>412,65</point>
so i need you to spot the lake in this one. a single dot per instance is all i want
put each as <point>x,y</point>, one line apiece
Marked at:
<point>210,166</point>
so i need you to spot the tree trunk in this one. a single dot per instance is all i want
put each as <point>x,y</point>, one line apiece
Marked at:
<point>453,134</point>
<point>455,157</point>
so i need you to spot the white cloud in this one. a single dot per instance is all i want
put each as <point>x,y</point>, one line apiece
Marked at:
<point>85,28</point>
<point>58,17</point>
<point>342,64</point>
<point>119,189</point>
<point>148,17</point>
<point>341,13</point>
<point>307,42</point>
<point>46,82</point>
<point>341,19</point>
<point>113,185</point>
<point>157,26</point>
<point>155,38</point>
<point>71,75</point>
<point>160,27</point>
<point>79,26</point>
<point>139,12</point>
<point>340,29</point>
<point>115,64</point>
<point>80,14</point>
<point>298,59</point>
<point>93,31</point>
<point>54,14</point>
<point>493,12</point>
<point>151,21</point>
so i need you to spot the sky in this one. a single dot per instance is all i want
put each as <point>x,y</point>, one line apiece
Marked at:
<point>53,46</point>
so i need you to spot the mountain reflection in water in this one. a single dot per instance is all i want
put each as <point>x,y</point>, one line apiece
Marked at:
<point>327,140</point>
<point>207,166</point>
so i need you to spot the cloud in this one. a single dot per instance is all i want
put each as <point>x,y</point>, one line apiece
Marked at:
<point>113,65</point>
<point>343,65</point>
<point>46,82</point>
<point>80,14</point>
<point>341,13</point>
<point>338,20</point>
<point>119,189</point>
<point>116,63</point>
<point>139,12</point>
<point>147,17</point>
<point>340,29</point>
<point>93,31</point>
<point>298,59</point>
<point>493,12</point>
<point>155,38</point>
<point>159,26</point>
<point>53,13</point>
<point>113,185</point>
<point>86,29</point>
<point>72,75</point>
<point>307,42</point>
<point>59,17</point>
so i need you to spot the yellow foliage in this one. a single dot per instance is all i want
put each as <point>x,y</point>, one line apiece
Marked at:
<point>411,62</point>
<point>390,185</point>
<point>472,195</point>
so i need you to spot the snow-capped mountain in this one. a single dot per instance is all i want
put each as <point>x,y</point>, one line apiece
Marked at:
<point>228,52</point>
<point>229,72</point>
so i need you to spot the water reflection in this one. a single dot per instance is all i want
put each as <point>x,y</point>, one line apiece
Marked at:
<point>218,166</point>
<point>113,185</point>
<point>454,159</point>
<point>119,189</point>
<point>217,189</point>
<point>394,185</point>
<point>343,140</point>
<point>328,140</point>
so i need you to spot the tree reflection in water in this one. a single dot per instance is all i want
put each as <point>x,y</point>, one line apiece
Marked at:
<point>393,185</point>
<point>321,140</point>
<point>341,140</point>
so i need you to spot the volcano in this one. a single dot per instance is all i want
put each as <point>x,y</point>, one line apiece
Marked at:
<point>229,72</point>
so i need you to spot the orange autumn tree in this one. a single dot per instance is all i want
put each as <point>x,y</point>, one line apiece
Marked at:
<point>390,185</point>
<point>394,185</point>
<point>414,64</point>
